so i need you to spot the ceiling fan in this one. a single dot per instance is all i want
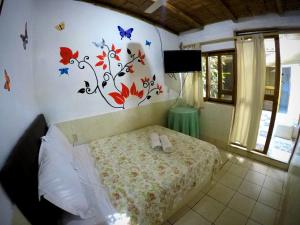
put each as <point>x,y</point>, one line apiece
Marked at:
<point>156,4</point>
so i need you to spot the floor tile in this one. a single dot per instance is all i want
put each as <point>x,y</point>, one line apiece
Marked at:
<point>238,170</point>
<point>241,161</point>
<point>263,214</point>
<point>251,222</point>
<point>209,186</point>
<point>231,217</point>
<point>250,189</point>
<point>221,193</point>
<point>174,218</point>
<point>273,185</point>
<point>259,167</point>
<point>255,177</point>
<point>277,173</point>
<point>231,181</point>
<point>192,218</point>
<point>242,204</point>
<point>269,198</point>
<point>196,199</point>
<point>209,208</point>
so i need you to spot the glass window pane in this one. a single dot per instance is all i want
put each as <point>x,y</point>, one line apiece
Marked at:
<point>270,66</point>
<point>264,124</point>
<point>226,97</point>
<point>204,75</point>
<point>227,72</point>
<point>213,75</point>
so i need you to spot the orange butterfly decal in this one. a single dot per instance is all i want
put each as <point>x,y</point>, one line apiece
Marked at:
<point>7,81</point>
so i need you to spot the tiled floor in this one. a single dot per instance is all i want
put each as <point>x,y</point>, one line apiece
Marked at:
<point>243,192</point>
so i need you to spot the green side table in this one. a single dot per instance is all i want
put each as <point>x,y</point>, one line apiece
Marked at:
<point>184,120</point>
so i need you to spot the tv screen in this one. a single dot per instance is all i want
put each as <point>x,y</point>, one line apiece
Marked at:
<point>182,61</point>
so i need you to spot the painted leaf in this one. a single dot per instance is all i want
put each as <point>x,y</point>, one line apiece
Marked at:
<point>103,53</point>
<point>118,98</point>
<point>104,83</point>
<point>125,91</point>
<point>133,90</point>
<point>81,91</point>
<point>75,55</point>
<point>128,51</point>
<point>141,94</point>
<point>100,63</point>
<point>66,55</point>
<point>113,47</point>
<point>154,77</point>
<point>148,97</point>
<point>117,58</point>
<point>100,57</point>
<point>104,66</point>
<point>118,51</point>
<point>121,74</point>
<point>87,84</point>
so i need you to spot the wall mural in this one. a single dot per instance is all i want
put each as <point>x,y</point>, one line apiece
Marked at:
<point>7,81</point>
<point>125,33</point>
<point>148,43</point>
<point>60,26</point>
<point>24,37</point>
<point>116,98</point>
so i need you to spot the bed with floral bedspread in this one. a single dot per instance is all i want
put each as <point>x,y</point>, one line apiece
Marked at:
<point>146,184</point>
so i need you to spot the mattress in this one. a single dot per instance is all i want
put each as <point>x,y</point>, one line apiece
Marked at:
<point>146,184</point>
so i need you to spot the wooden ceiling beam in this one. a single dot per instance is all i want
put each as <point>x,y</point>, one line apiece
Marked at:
<point>279,7</point>
<point>133,14</point>
<point>225,6</point>
<point>183,16</point>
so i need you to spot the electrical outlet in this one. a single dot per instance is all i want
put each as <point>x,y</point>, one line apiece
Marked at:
<point>75,139</point>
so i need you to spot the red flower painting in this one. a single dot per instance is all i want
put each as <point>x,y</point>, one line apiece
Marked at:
<point>67,54</point>
<point>113,71</point>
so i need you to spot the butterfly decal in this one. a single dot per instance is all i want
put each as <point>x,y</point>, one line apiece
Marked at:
<point>64,71</point>
<point>24,37</point>
<point>99,44</point>
<point>60,26</point>
<point>125,33</point>
<point>148,43</point>
<point>7,81</point>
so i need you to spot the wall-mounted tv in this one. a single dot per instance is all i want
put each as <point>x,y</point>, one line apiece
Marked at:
<point>182,61</point>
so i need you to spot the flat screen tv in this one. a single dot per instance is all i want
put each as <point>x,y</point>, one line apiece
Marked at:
<point>182,61</point>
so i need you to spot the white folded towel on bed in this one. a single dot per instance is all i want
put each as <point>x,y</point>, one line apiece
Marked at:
<point>155,141</point>
<point>166,144</point>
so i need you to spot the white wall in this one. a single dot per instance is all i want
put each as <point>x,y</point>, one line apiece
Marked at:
<point>216,119</point>
<point>226,29</point>
<point>18,107</point>
<point>86,23</point>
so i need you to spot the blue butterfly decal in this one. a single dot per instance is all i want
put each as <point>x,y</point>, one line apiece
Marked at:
<point>125,33</point>
<point>148,43</point>
<point>64,71</point>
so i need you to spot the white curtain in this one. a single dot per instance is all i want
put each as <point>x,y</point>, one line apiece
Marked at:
<point>193,86</point>
<point>251,73</point>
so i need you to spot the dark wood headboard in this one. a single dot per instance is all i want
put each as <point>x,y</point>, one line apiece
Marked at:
<point>19,176</point>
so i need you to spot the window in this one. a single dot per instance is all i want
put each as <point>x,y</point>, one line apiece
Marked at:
<point>219,76</point>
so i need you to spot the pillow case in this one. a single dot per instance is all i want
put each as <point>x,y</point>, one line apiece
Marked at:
<point>58,179</point>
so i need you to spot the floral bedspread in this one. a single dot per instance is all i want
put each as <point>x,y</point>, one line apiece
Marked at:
<point>145,183</point>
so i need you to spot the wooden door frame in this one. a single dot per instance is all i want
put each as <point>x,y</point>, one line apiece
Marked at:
<point>276,93</point>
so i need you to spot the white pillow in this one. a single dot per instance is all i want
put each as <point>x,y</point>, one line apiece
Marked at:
<point>58,180</point>
<point>284,131</point>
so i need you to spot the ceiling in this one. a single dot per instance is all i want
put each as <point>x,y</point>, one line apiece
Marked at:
<point>182,15</point>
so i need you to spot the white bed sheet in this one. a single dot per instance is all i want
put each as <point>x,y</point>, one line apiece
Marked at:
<point>101,210</point>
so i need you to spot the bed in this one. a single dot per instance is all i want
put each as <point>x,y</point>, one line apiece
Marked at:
<point>145,184</point>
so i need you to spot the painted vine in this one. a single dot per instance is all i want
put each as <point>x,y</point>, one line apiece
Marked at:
<point>117,98</point>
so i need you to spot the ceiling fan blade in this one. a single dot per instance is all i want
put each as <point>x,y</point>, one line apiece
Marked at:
<point>154,6</point>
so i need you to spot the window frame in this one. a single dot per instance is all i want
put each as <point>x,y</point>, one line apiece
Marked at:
<point>221,91</point>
